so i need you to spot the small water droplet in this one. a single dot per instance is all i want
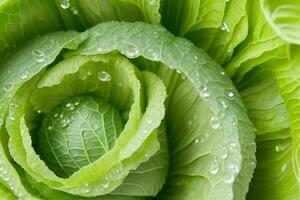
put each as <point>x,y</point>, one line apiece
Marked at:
<point>146,155</point>
<point>65,122</point>
<point>102,49</point>
<point>76,101</point>
<point>224,105</point>
<point>279,148</point>
<point>85,188</point>
<point>104,76</point>
<point>65,4</point>
<point>50,128</point>
<point>152,2</point>
<point>131,51</point>
<point>233,145</point>
<point>105,185</point>
<point>8,87</point>
<point>89,73</point>
<point>204,92</point>
<point>230,94</point>
<point>190,123</point>
<point>39,55</point>
<point>149,121</point>
<point>215,123</point>
<point>70,106</point>
<point>224,153</point>
<point>234,168</point>
<point>153,54</point>
<point>39,111</point>
<point>229,179</point>
<point>224,27</point>
<point>75,11</point>
<point>214,167</point>
<point>222,73</point>
<point>197,140</point>
<point>178,71</point>
<point>25,75</point>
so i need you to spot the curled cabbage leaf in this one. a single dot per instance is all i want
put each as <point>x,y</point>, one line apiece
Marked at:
<point>121,111</point>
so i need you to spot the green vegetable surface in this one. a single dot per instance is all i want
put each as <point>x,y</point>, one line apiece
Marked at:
<point>149,99</point>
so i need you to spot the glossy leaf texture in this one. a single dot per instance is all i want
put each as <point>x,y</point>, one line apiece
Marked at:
<point>178,109</point>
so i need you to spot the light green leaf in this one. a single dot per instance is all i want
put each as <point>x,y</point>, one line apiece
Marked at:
<point>284,17</point>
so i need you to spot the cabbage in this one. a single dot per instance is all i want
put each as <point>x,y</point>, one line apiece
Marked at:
<point>149,99</point>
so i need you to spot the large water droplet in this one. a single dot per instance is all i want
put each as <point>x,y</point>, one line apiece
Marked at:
<point>65,4</point>
<point>85,188</point>
<point>39,55</point>
<point>197,140</point>
<point>104,76</point>
<point>224,27</point>
<point>214,167</point>
<point>215,122</point>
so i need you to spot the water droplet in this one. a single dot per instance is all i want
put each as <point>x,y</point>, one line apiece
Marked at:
<point>76,101</point>
<point>85,188</point>
<point>39,111</point>
<point>153,54</point>
<point>204,92</point>
<point>146,155</point>
<point>152,2</point>
<point>229,179</point>
<point>178,71</point>
<point>190,123</point>
<point>149,121</point>
<point>131,51</point>
<point>104,76</point>
<point>105,185</point>
<point>8,87</point>
<point>102,49</point>
<point>65,122</point>
<point>12,118</point>
<point>145,131</point>
<point>75,11</point>
<point>230,94</point>
<point>55,115</point>
<point>222,73</point>
<point>39,55</point>
<point>50,128</point>
<point>224,153</point>
<point>65,4</point>
<point>233,144</point>
<point>25,75</point>
<point>224,27</point>
<point>234,168</point>
<point>214,167</point>
<point>9,71</point>
<point>89,73</point>
<point>197,140</point>
<point>279,148</point>
<point>70,106</point>
<point>215,123</point>
<point>224,105</point>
